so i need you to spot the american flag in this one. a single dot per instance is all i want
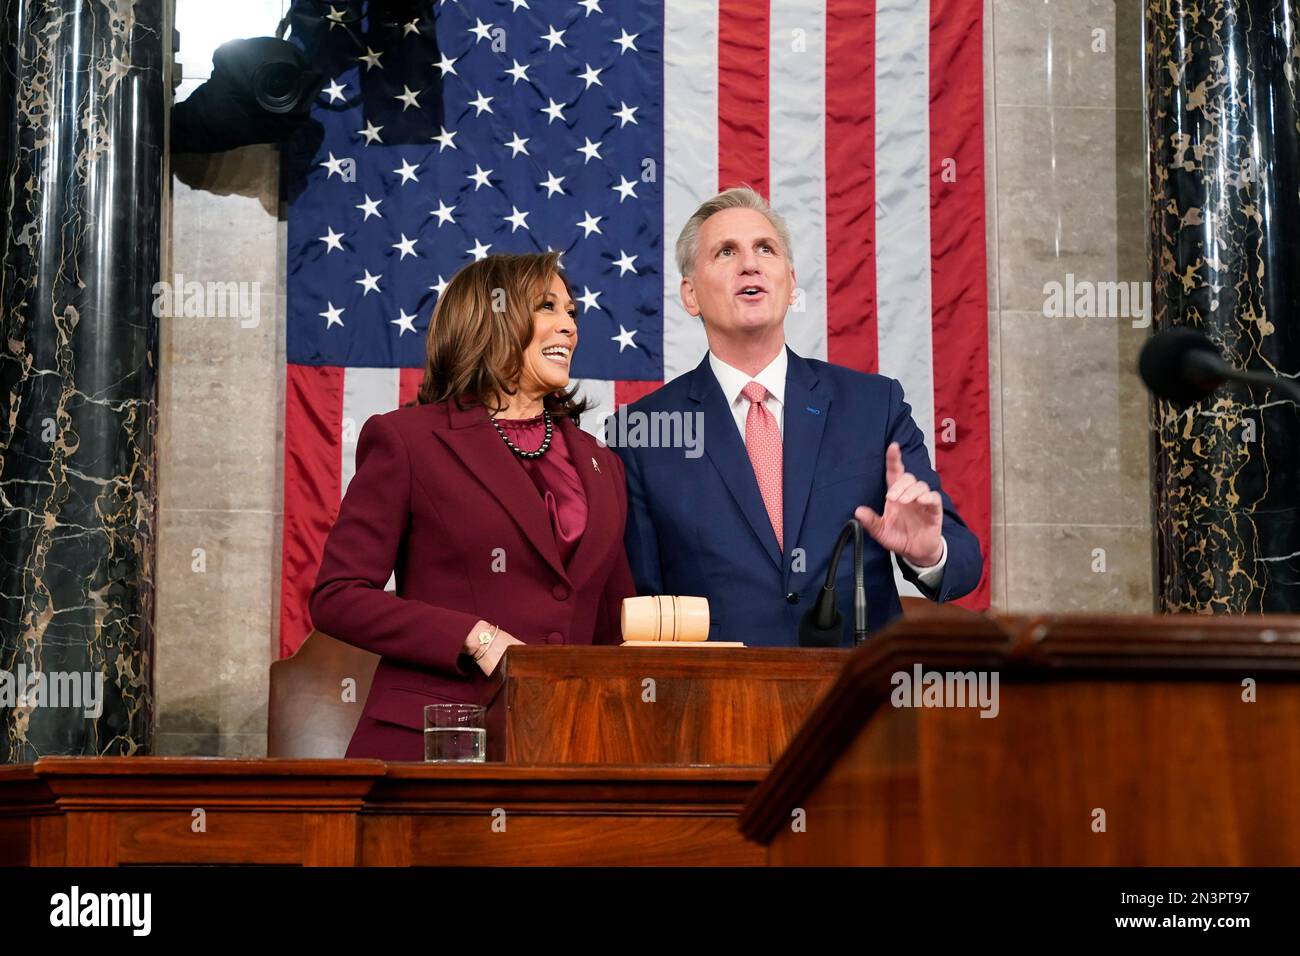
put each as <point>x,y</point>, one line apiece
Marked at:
<point>595,128</point>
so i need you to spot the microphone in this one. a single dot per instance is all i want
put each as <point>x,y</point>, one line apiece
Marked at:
<point>822,625</point>
<point>1182,366</point>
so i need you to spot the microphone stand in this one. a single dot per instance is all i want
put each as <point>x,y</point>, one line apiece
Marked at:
<point>822,625</point>
<point>859,587</point>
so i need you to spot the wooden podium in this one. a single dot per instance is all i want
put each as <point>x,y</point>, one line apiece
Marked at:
<point>1118,741</point>
<point>638,705</point>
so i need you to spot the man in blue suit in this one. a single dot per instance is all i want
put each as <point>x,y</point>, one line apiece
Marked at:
<point>791,449</point>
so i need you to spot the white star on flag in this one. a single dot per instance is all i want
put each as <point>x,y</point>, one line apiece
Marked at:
<point>590,150</point>
<point>407,247</point>
<point>625,189</point>
<point>516,219</point>
<point>554,110</point>
<point>516,146</point>
<point>443,212</point>
<point>624,263</point>
<point>335,92</point>
<point>334,166</point>
<point>408,97</point>
<point>624,114</point>
<point>407,172</point>
<point>479,177</point>
<point>405,323</point>
<point>518,70</point>
<point>552,184</point>
<point>445,138</point>
<point>331,315</point>
<point>624,338</point>
<point>331,240</point>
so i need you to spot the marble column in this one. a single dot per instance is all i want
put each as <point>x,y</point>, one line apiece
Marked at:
<point>1221,97</point>
<point>79,257</point>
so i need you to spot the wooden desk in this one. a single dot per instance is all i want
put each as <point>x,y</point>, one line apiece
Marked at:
<point>660,705</point>
<point>110,811</point>
<point>600,768</point>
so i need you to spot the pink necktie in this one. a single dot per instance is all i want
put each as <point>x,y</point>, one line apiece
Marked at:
<point>763,442</point>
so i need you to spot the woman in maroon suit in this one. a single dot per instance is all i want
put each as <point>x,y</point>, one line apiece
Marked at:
<point>502,521</point>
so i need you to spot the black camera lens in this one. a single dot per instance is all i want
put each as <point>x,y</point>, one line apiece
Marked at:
<point>277,86</point>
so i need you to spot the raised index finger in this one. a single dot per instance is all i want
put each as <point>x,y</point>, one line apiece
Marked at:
<point>893,464</point>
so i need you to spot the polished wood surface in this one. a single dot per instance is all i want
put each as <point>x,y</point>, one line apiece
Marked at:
<point>1135,723</point>
<point>107,811</point>
<point>88,811</point>
<point>497,814</point>
<point>633,705</point>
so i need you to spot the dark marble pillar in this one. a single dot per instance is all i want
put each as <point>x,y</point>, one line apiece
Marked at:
<point>79,256</point>
<point>1221,97</point>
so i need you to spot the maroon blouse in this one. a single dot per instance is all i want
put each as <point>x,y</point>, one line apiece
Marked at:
<point>556,479</point>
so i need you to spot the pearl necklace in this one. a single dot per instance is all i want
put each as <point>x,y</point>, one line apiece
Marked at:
<point>541,450</point>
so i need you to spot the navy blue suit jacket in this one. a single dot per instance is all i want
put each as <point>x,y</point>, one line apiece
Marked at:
<point>698,525</point>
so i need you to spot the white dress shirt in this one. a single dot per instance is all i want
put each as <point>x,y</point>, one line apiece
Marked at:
<point>772,378</point>
<point>733,380</point>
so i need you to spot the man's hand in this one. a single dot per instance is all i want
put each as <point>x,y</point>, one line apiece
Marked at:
<point>912,526</point>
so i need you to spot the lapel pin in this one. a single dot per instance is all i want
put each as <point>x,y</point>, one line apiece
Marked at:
<point>815,411</point>
<point>595,466</point>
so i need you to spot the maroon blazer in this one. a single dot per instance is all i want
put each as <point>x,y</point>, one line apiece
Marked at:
<point>439,500</point>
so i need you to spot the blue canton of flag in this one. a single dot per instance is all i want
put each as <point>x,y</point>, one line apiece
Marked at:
<point>477,128</point>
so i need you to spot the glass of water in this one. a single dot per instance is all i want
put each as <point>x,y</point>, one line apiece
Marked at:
<point>454,733</point>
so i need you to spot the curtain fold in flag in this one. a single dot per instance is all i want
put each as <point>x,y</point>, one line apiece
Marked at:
<point>596,128</point>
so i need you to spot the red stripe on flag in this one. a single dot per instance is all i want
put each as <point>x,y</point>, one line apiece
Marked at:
<point>408,385</point>
<point>960,296</point>
<point>743,60</point>
<point>313,464</point>
<point>625,393</point>
<point>851,326</point>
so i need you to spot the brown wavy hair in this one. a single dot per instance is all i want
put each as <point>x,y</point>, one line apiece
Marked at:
<point>480,328</point>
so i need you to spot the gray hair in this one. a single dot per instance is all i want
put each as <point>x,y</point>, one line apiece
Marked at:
<point>738,197</point>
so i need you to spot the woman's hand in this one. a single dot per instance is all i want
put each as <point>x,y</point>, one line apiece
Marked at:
<point>488,655</point>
